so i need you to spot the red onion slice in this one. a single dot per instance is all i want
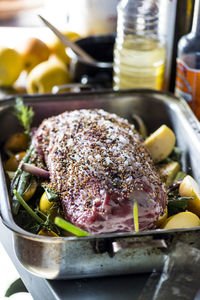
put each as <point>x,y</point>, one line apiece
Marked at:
<point>35,170</point>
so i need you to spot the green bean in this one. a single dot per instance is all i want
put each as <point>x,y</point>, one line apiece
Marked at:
<point>20,181</point>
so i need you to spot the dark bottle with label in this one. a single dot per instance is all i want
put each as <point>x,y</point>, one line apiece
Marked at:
<point>188,64</point>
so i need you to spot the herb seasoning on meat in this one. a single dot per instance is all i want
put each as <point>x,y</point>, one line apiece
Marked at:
<point>98,165</point>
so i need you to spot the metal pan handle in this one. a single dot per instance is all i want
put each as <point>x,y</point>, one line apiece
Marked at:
<point>117,246</point>
<point>73,87</point>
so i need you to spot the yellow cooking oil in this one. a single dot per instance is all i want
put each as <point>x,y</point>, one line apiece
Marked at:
<point>139,62</point>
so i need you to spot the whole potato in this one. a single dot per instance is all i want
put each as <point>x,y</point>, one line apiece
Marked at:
<point>13,162</point>
<point>17,142</point>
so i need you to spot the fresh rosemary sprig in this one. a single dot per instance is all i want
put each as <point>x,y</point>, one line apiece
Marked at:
<point>51,195</point>
<point>24,114</point>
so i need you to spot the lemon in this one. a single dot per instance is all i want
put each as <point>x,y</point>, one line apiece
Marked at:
<point>190,188</point>
<point>56,47</point>
<point>182,220</point>
<point>46,75</point>
<point>160,143</point>
<point>33,52</point>
<point>11,65</point>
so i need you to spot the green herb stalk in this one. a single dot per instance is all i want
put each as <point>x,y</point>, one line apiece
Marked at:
<point>70,227</point>
<point>27,207</point>
<point>135,215</point>
<point>24,114</point>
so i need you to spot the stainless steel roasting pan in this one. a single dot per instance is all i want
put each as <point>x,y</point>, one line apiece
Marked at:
<point>113,254</point>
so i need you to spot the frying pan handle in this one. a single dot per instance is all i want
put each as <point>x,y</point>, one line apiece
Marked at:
<point>73,87</point>
<point>117,246</point>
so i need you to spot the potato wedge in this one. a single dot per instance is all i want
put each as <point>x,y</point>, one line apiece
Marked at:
<point>47,232</point>
<point>13,162</point>
<point>160,143</point>
<point>182,220</point>
<point>17,142</point>
<point>168,172</point>
<point>162,218</point>
<point>190,188</point>
<point>31,191</point>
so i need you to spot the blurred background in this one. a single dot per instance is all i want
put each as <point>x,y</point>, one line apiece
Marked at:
<point>88,17</point>
<point>78,14</point>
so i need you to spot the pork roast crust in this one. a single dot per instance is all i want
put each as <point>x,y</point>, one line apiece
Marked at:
<point>99,166</point>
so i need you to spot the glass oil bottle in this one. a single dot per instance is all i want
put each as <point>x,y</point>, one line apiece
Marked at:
<point>139,53</point>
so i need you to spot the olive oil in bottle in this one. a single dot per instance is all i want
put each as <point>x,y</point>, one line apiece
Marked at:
<point>139,53</point>
<point>139,63</point>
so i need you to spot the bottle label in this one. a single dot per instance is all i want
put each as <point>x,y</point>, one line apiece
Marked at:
<point>188,85</point>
